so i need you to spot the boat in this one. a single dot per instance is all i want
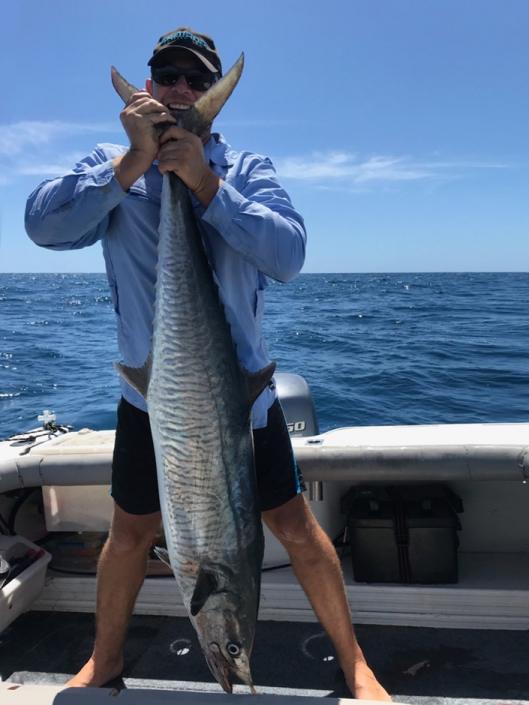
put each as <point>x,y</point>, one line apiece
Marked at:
<point>54,482</point>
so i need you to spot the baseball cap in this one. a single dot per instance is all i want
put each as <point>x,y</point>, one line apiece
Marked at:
<point>201,45</point>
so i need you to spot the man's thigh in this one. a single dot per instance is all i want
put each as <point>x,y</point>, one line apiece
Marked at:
<point>134,480</point>
<point>278,477</point>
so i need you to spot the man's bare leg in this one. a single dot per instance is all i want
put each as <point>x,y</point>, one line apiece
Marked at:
<point>120,574</point>
<point>318,570</point>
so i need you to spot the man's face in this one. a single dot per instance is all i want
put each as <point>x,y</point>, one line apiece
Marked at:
<point>179,96</point>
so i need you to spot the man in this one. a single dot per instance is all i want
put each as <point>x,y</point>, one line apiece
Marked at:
<point>251,231</point>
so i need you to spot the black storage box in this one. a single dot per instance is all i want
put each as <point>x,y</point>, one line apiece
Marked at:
<point>403,534</point>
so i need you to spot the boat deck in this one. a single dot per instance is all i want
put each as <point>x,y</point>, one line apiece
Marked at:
<point>430,645</point>
<point>417,665</point>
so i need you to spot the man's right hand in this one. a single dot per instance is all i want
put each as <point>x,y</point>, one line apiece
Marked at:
<point>140,117</point>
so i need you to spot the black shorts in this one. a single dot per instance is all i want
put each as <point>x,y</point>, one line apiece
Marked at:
<point>134,480</point>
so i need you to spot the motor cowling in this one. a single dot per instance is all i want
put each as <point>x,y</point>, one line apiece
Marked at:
<point>300,413</point>
<point>298,404</point>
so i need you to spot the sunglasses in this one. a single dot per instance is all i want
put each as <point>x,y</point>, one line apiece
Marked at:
<point>196,80</point>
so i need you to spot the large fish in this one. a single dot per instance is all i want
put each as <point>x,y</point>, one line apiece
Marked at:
<point>199,400</point>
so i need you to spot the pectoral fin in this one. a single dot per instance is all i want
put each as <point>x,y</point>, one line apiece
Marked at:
<point>205,586</point>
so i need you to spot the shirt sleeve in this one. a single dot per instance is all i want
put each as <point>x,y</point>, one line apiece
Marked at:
<point>72,211</point>
<point>256,217</point>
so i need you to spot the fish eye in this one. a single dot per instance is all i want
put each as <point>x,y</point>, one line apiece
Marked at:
<point>233,649</point>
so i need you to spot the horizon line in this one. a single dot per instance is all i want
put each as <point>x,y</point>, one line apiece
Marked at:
<point>411,271</point>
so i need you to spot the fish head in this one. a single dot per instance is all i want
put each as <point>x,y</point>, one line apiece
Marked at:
<point>227,652</point>
<point>223,610</point>
<point>226,640</point>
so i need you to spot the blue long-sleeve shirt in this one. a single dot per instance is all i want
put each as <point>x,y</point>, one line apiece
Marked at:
<point>250,231</point>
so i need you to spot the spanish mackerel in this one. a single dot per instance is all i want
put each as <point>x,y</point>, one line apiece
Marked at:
<point>199,400</point>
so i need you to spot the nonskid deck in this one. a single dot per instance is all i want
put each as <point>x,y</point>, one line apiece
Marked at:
<point>421,666</point>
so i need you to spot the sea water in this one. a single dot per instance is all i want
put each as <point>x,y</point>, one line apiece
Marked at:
<point>376,349</point>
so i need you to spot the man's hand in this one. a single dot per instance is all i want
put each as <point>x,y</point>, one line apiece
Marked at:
<point>182,153</point>
<point>140,118</point>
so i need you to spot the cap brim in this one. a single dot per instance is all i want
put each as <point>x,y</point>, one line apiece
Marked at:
<point>155,60</point>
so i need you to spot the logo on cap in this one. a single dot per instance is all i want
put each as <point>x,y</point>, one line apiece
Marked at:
<point>184,35</point>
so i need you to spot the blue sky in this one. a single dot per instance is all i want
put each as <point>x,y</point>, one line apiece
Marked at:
<point>399,127</point>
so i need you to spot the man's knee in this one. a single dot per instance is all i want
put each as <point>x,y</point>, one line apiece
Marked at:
<point>132,532</point>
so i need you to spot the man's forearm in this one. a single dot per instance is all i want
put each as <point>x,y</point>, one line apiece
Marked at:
<point>71,211</point>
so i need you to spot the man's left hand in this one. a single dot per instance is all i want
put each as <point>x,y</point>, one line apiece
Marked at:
<point>182,153</point>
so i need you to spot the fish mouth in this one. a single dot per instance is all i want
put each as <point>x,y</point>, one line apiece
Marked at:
<point>220,667</point>
<point>224,671</point>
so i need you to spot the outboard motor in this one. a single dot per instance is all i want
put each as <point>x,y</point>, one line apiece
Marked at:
<point>300,413</point>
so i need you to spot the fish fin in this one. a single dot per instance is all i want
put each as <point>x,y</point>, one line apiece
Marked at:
<point>205,586</point>
<point>258,381</point>
<point>137,377</point>
<point>123,88</point>
<point>199,117</point>
<point>162,554</point>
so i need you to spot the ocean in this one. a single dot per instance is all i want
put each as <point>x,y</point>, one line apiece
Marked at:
<point>376,349</point>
